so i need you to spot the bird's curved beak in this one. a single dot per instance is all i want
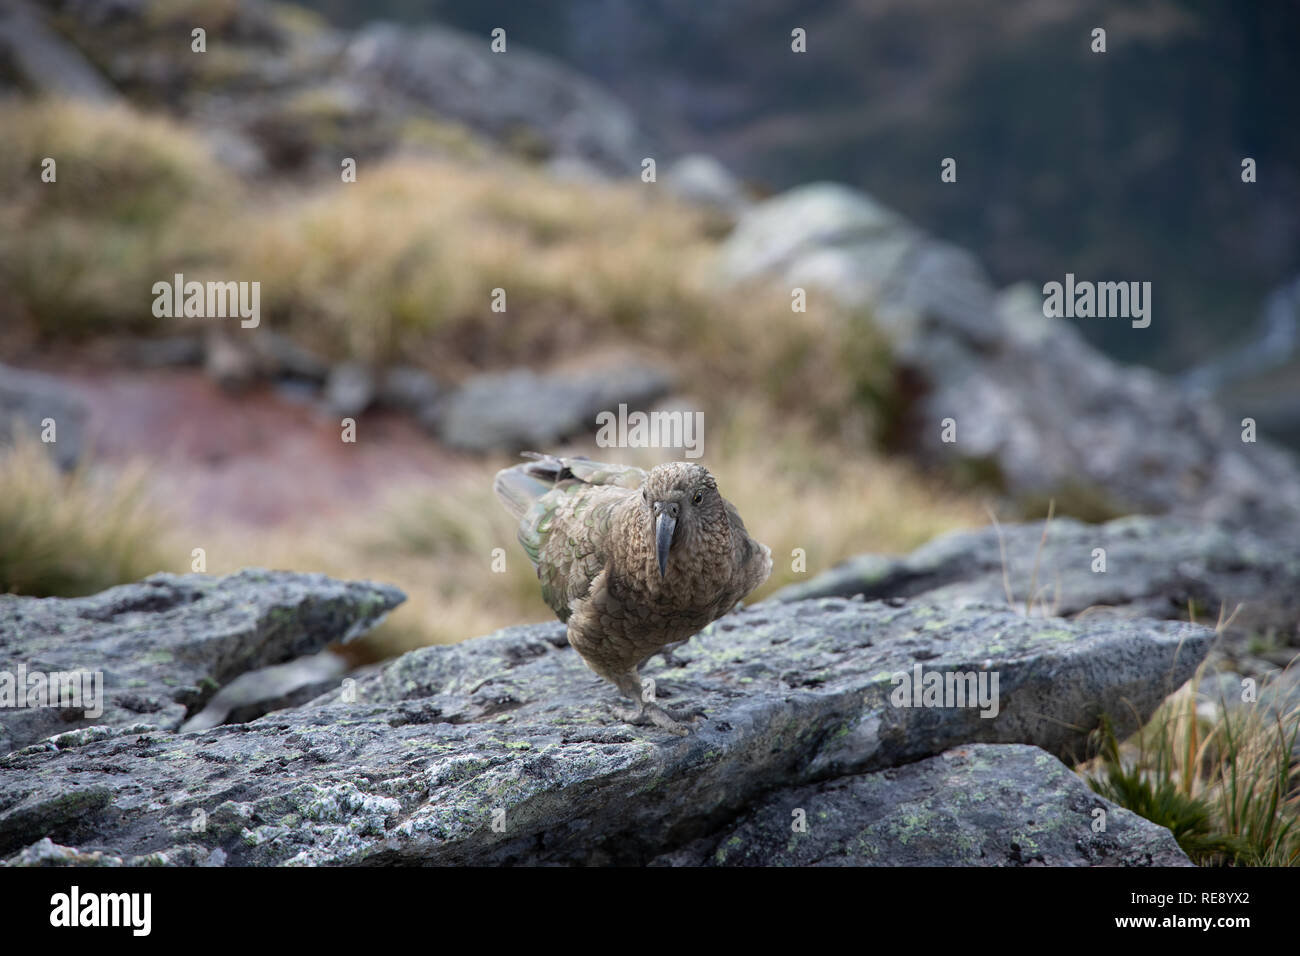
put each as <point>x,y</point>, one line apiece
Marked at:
<point>665,525</point>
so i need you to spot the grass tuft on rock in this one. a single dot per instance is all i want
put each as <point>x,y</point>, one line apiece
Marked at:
<point>1221,775</point>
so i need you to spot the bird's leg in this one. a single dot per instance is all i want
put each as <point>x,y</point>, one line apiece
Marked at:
<point>666,652</point>
<point>630,684</point>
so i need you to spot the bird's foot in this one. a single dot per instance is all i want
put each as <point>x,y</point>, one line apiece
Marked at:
<point>650,712</point>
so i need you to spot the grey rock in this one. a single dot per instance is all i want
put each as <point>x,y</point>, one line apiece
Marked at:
<point>296,98</point>
<point>778,233</point>
<point>233,148</point>
<point>408,389</point>
<point>48,853</point>
<point>1156,567</point>
<point>166,351</point>
<point>236,358</point>
<point>28,398</point>
<point>46,64</point>
<point>1035,407</point>
<point>412,768</point>
<point>699,178</point>
<point>231,360</point>
<point>522,410</point>
<point>282,357</point>
<point>166,644</point>
<point>258,692</point>
<point>350,388</point>
<point>977,805</point>
<point>507,95</point>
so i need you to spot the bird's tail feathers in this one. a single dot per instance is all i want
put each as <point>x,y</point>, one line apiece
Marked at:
<point>545,466</point>
<point>518,488</point>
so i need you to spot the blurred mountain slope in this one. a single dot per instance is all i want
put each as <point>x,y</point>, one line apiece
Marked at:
<point>1118,166</point>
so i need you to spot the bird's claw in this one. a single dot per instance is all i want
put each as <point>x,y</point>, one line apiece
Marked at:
<point>651,712</point>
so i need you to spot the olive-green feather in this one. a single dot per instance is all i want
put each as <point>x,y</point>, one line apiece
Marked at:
<point>534,491</point>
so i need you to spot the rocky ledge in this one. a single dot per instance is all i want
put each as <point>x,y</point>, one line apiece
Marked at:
<point>501,749</point>
<point>167,644</point>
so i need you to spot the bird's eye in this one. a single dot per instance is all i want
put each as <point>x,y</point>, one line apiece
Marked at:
<point>699,498</point>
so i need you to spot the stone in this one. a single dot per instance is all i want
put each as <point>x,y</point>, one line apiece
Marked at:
<point>975,805</point>
<point>521,410</point>
<point>258,692</point>
<point>44,62</point>
<point>28,398</point>
<point>408,389</point>
<point>1038,412</point>
<point>701,179</point>
<point>166,644</point>
<point>1155,567</point>
<point>350,388</point>
<point>415,764</point>
<point>516,97</point>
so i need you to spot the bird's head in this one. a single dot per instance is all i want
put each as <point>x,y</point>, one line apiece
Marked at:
<point>683,502</point>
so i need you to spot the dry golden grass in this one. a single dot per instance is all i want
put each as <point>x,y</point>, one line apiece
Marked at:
<point>132,203</point>
<point>1221,775</point>
<point>78,533</point>
<point>407,258</point>
<point>402,264</point>
<point>112,161</point>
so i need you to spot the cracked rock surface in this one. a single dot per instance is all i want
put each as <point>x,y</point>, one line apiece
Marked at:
<point>976,805</point>
<point>502,750</point>
<point>166,644</point>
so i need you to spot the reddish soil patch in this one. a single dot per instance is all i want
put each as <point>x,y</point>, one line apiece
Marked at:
<point>256,458</point>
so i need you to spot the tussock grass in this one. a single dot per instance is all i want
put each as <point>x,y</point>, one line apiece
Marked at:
<point>64,535</point>
<point>401,265</point>
<point>133,203</point>
<point>1222,776</point>
<point>408,258</point>
<point>113,162</point>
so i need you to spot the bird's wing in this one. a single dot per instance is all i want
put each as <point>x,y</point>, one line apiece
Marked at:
<point>599,473</point>
<point>753,560</point>
<point>574,542</point>
<point>565,508</point>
